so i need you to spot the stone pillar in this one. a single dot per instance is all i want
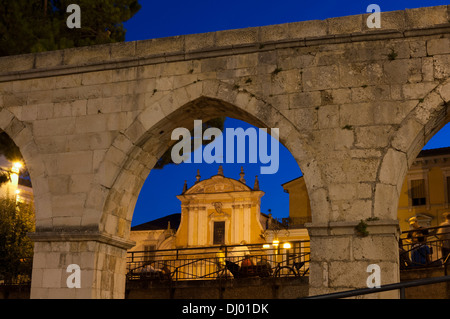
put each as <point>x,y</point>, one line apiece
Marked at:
<point>101,259</point>
<point>340,256</point>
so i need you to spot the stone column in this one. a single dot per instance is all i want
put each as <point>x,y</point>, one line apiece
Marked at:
<point>340,256</point>
<point>101,259</point>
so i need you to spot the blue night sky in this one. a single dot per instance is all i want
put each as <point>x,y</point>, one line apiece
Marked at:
<point>158,19</point>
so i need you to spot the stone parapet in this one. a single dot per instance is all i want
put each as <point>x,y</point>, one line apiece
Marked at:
<point>396,24</point>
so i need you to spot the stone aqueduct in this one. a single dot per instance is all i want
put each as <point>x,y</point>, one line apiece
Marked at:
<point>354,106</point>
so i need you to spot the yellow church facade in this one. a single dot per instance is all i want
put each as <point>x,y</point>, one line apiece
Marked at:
<point>220,211</point>
<point>219,215</point>
<point>215,211</point>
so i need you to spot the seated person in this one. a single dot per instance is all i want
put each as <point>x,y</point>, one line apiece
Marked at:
<point>264,267</point>
<point>420,254</point>
<point>246,265</point>
<point>247,261</point>
<point>417,230</point>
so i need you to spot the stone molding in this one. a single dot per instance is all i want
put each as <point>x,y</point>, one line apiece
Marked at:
<point>77,236</point>
<point>377,227</point>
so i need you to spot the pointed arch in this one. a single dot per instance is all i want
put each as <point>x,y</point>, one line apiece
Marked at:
<point>133,154</point>
<point>21,134</point>
<point>428,117</point>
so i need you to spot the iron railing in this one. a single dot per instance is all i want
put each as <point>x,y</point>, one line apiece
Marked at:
<point>412,252</point>
<point>396,286</point>
<point>208,263</point>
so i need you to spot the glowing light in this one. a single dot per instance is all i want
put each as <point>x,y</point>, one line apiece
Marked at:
<point>266,246</point>
<point>287,246</point>
<point>16,167</point>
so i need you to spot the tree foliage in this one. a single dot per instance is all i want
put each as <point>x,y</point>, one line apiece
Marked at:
<point>16,248</point>
<point>28,26</point>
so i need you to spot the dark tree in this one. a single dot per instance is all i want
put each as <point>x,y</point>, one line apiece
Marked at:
<point>28,26</point>
<point>16,248</point>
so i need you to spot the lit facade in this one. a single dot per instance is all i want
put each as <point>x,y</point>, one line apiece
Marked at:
<point>215,211</point>
<point>426,189</point>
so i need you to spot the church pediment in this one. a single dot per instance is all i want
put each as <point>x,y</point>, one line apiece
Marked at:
<point>217,184</point>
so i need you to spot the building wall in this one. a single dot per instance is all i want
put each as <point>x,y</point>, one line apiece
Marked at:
<point>433,170</point>
<point>248,288</point>
<point>242,223</point>
<point>219,199</point>
<point>299,205</point>
<point>239,210</point>
<point>145,238</point>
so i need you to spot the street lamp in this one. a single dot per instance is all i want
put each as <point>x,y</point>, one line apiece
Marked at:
<point>16,167</point>
<point>15,170</point>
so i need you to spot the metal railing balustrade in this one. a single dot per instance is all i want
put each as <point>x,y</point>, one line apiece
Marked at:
<point>210,263</point>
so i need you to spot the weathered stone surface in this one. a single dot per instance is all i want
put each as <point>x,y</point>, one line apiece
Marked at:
<point>354,106</point>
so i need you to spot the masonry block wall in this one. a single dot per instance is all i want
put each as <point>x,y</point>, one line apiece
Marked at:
<point>354,106</point>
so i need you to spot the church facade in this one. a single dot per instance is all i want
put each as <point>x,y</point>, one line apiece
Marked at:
<point>215,211</point>
<point>220,211</point>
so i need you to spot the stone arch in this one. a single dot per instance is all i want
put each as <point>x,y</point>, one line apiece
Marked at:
<point>428,117</point>
<point>22,135</point>
<point>133,154</point>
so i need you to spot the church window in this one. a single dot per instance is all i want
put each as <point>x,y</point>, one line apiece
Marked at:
<point>219,233</point>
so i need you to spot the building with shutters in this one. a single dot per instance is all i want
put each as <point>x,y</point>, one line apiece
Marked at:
<point>426,189</point>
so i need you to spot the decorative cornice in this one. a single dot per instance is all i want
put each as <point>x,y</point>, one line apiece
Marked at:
<point>377,227</point>
<point>71,236</point>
